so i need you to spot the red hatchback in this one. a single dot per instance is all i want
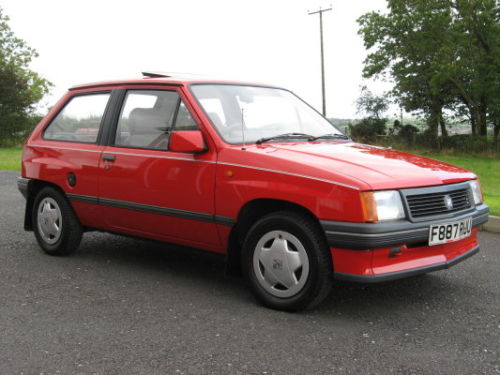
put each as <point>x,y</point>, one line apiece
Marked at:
<point>250,171</point>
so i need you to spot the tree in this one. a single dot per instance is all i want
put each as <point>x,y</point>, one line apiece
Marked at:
<point>471,63</point>
<point>373,124</point>
<point>441,54</point>
<point>371,105</point>
<point>20,88</point>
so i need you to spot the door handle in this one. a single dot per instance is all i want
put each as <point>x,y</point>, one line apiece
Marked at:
<point>108,157</point>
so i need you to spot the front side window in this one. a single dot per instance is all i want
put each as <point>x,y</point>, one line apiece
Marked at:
<point>148,117</point>
<point>80,119</point>
<point>258,112</point>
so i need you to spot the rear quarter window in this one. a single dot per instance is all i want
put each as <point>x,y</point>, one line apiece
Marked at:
<point>79,120</point>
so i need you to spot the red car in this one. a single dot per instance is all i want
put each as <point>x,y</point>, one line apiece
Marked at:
<point>250,171</point>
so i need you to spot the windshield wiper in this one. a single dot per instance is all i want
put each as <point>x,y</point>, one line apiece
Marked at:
<point>285,135</point>
<point>330,136</point>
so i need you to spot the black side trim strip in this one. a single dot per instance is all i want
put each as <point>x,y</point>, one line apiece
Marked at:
<point>151,209</point>
<point>223,220</point>
<point>406,273</point>
<point>157,210</point>
<point>82,198</point>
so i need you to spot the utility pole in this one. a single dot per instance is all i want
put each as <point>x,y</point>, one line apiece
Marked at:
<point>320,12</point>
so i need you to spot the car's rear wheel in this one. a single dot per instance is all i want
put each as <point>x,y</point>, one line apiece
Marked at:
<point>56,227</point>
<point>287,262</point>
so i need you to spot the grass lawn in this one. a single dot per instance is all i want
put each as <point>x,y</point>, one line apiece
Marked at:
<point>487,168</point>
<point>10,158</point>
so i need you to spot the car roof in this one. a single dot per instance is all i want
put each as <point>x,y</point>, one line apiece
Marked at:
<point>173,80</point>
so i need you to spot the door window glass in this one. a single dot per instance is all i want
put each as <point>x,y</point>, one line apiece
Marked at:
<point>148,116</point>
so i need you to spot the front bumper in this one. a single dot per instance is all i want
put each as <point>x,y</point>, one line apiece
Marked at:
<point>389,276</point>
<point>377,252</point>
<point>363,236</point>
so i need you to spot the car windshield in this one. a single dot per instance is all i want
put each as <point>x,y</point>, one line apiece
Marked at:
<point>255,114</point>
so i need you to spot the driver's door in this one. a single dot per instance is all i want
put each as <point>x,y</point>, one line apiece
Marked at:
<point>149,190</point>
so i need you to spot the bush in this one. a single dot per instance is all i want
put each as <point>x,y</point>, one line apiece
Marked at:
<point>405,133</point>
<point>17,130</point>
<point>367,130</point>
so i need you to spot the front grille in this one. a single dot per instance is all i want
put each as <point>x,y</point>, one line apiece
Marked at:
<point>430,204</point>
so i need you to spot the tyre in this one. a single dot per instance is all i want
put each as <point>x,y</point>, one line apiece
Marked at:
<point>287,262</point>
<point>57,229</point>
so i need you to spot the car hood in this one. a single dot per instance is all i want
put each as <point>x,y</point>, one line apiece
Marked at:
<point>362,166</point>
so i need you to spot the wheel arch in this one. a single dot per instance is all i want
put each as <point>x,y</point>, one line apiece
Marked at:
<point>247,216</point>
<point>34,187</point>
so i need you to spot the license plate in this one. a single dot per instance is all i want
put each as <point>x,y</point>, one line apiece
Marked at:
<point>449,232</point>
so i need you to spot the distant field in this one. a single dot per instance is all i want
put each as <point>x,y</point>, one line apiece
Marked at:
<point>10,158</point>
<point>487,168</point>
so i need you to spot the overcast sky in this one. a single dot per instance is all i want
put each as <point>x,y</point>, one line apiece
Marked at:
<point>269,41</point>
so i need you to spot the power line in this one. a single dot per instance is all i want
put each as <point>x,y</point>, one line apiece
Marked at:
<point>320,12</point>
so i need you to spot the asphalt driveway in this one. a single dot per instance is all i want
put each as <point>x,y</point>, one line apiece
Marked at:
<point>126,306</point>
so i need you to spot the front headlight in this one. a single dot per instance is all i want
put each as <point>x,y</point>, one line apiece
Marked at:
<point>382,205</point>
<point>476,191</point>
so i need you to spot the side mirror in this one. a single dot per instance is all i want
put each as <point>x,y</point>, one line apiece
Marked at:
<point>187,141</point>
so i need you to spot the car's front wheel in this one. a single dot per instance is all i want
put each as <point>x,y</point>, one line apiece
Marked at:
<point>56,227</point>
<point>287,262</point>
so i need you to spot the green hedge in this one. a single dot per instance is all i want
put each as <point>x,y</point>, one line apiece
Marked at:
<point>459,144</point>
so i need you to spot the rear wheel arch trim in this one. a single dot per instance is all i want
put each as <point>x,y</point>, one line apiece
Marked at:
<point>34,186</point>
